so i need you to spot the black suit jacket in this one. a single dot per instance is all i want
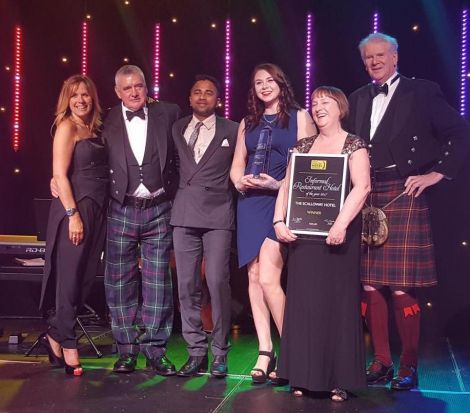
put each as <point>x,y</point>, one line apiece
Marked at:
<point>204,198</point>
<point>422,130</point>
<point>161,117</point>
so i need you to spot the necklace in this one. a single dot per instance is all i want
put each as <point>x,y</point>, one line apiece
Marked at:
<point>270,121</point>
<point>81,125</point>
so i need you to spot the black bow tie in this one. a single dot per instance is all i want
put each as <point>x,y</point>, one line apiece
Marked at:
<point>139,113</point>
<point>377,90</point>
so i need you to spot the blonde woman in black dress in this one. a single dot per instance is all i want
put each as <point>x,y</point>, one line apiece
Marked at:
<point>75,232</point>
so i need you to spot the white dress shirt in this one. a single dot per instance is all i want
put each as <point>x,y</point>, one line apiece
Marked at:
<point>380,104</point>
<point>137,135</point>
<point>206,134</point>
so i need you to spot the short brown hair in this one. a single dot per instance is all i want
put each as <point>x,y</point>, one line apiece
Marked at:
<point>68,89</point>
<point>335,94</point>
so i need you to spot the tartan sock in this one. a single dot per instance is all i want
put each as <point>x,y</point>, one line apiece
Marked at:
<point>407,319</point>
<point>376,313</point>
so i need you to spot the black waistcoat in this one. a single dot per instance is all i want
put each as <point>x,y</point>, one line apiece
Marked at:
<point>379,149</point>
<point>149,173</point>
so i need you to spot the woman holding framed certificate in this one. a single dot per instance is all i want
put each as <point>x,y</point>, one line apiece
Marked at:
<point>322,341</point>
<point>273,125</point>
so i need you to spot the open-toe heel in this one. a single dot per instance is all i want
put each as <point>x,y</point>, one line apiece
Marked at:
<point>297,392</point>
<point>339,395</point>
<point>74,370</point>
<point>277,381</point>
<point>263,376</point>
<point>54,359</point>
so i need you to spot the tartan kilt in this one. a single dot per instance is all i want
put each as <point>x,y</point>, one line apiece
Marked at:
<point>407,257</point>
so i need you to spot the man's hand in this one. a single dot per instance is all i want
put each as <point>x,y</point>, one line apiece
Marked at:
<point>416,184</point>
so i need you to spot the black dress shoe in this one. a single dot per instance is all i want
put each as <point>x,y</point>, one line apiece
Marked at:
<point>377,372</point>
<point>406,379</point>
<point>162,366</point>
<point>219,366</point>
<point>193,366</point>
<point>126,363</point>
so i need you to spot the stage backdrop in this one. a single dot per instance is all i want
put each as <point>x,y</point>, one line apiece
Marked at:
<point>193,39</point>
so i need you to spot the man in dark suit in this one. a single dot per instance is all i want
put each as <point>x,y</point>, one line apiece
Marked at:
<point>143,178</point>
<point>415,140</point>
<point>203,221</point>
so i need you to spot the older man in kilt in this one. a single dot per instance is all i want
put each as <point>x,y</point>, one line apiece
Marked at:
<point>415,140</point>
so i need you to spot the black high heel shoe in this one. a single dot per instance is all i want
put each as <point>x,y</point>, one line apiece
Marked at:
<point>55,360</point>
<point>73,370</point>
<point>263,377</point>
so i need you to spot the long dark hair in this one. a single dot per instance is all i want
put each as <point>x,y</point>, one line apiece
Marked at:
<point>286,97</point>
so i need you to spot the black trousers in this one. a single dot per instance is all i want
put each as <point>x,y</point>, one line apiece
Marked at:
<point>74,270</point>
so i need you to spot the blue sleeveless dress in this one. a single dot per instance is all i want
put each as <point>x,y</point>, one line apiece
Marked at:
<point>255,210</point>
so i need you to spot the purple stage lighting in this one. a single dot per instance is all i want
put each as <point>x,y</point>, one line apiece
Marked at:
<point>156,62</point>
<point>375,22</point>
<point>308,61</point>
<point>227,68</point>
<point>463,64</point>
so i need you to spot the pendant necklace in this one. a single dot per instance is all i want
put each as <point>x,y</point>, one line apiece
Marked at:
<point>270,121</point>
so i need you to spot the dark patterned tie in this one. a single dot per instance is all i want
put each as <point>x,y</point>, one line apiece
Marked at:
<point>193,138</point>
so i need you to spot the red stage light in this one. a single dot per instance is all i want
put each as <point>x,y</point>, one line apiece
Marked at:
<point>156,62</point>
<point>16,89</point>
<point>84,47</point>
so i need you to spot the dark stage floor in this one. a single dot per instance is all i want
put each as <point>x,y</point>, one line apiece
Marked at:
<point>28,384</point>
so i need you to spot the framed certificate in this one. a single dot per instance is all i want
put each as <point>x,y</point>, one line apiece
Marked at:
<point>316,192</point>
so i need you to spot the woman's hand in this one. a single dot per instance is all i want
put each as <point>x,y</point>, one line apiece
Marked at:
<point>336,235</point>
<point>76,233</point>
<point>264,181</point>
<point>283,233</point>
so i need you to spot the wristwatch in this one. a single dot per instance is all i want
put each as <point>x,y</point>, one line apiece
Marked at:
<point>70,211</point>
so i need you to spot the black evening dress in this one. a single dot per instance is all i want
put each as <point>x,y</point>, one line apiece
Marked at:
<point>322,345</point>
<point>70,270</point>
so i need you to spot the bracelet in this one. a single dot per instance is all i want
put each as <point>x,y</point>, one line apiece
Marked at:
<point>277,222</point>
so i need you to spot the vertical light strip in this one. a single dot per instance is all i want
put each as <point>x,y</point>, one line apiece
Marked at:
<point>17,89</point>
<point>84,48</point>
<point>156,62</point>
<point>227,69</point>
<point>308,61</point>
<point>375,22</point>
<point>463,64</point>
